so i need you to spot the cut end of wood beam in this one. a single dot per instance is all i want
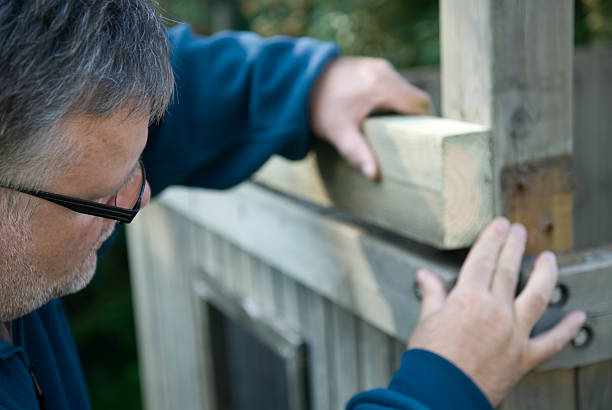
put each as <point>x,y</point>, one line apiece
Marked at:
<point>436,184</point>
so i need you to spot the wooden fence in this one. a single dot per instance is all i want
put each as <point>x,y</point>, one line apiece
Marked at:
<point>322,300</point>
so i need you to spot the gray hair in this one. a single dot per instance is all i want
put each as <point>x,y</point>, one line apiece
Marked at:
<point>65,57</point>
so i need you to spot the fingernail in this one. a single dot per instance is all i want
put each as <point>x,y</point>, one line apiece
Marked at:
<point>369,170</point>
<point>501,225</point>
<point>519,231</point>
<point>550,256</point>
<point>427,107</point>
<point>580,317</point>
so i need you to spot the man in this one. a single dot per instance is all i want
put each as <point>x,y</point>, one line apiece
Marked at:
<point>84,84</point>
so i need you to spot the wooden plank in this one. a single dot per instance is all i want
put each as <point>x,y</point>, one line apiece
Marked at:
<point>508,65</point>
<point>140,268</point>
<point>375,355</point>
<point>289,313</point>
<point>592,147</point>
<point>344,356</point>
<point>169,308</point>
<point>398,348</point>
<point>586,277</point>
<point>435,185</point>
<point>370,277</point>
<point>315,329</point>
<point>594,383</point>
<point>553,390</point>
<point>592,143</point>
<point>264,285</point>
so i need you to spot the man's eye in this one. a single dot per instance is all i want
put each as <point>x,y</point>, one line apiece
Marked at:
<point>108,200</point>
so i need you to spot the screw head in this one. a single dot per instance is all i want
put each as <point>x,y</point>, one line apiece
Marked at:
<point>583,338</point>
<point>416,289</point>
<point>559,295</point>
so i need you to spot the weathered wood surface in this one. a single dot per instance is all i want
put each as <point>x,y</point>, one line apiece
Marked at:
<point>592,140</point>
<point>435,183</point>
<point>587,278</point>
<point>351,351</point>
<point>370,276</point>
<point>167,314</point>
<point>552,390</point>
<point>595,386</point>
<point>346,355</point>
<point>592,146</point>
<point>508,65</point>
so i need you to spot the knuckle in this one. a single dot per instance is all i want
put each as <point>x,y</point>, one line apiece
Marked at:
<point>507,270</point>
<point>500,315</point>
<point>381,71</point>
<point>557,346</point>
<point>538,301</point>
<point>484,262</point>
<point>382,64</point>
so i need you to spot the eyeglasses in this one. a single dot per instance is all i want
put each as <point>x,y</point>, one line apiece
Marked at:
<point>83,206</point>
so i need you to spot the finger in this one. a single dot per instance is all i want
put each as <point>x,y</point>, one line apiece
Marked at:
<point>434,293</point>
<point>509,264</point>
<point>549,343</point>
<point>354,148</point>
<point>402,97</point>
<point>534,299</point>
<point>480,263</point>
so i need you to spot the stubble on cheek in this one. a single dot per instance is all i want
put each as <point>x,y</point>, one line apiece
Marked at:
<point>84,272</point>
<point>22,287</point>
<point>25,284</point>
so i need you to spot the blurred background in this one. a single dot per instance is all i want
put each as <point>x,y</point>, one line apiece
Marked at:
<point>403,31</point>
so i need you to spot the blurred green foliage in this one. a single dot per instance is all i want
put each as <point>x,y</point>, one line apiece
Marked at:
<point>403,31</point>
<point>406,32</point>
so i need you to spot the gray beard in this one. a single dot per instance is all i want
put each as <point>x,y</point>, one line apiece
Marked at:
<point>24,287</point>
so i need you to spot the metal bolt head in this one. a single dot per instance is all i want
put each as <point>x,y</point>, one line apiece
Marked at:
<point>582,338</point>
<point>418,292</point>
<point>559,295</point>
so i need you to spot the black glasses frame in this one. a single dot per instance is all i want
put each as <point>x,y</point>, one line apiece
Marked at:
<point>84,206</point>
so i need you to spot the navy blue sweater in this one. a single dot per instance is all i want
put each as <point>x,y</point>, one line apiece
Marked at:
<point>240,99</point>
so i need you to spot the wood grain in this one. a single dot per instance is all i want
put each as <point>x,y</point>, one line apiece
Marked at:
<point>435,185</point>
<point>509,65</point>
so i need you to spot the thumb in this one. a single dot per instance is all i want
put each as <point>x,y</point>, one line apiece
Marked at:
<point>354,148</point>
<point>434,293</point>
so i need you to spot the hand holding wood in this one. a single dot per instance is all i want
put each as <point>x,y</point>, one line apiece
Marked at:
<point>480,326</point>
<point>351,88</point>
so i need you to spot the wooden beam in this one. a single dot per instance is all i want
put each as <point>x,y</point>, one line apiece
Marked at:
<point>435,186</point>
<point>371,276</point>
<point>586,278</point>
<point>508,65</point>
<point>356,270</point>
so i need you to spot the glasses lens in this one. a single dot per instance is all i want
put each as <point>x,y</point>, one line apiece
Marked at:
<point>128,196</point>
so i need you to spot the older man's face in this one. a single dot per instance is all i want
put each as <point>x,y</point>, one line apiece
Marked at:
<point>54,253</point>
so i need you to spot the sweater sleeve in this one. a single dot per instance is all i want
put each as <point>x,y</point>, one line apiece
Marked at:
<point>424,381</point>
<point>239,100</point>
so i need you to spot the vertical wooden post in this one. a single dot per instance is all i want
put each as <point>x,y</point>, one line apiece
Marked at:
<point>509,65</point>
